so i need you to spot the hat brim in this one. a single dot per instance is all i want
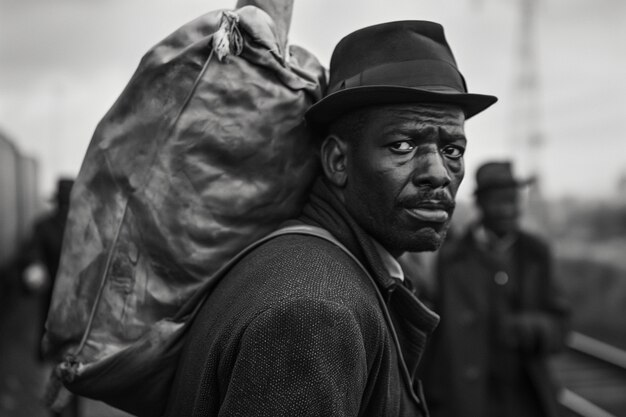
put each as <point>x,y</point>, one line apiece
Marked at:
<point>340,102</point>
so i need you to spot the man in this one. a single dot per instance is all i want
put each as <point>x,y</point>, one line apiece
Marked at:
<point>40,262</point>
<point>501,313</point>
<point>297,328</point>
<point>42,253</point>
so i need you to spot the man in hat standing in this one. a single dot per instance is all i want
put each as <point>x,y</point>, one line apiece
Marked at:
<point>40,262</point>
<point>501,313</point>
<point>304,326</point>
<point>42,253</point>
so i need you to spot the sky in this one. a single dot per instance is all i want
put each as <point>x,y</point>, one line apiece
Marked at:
<point>64,62</point>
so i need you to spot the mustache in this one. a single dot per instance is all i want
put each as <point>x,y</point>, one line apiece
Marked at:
<point>429,199</point>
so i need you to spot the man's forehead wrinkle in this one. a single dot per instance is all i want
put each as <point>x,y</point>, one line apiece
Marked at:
<point>453,133</point>
<point>409,125</point>
<point>394,120</point>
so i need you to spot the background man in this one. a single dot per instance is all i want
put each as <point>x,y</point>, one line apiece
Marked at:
<point>42,253</point>
<point>40,262</point>
<point>297,327</point>
<point>501,313</point>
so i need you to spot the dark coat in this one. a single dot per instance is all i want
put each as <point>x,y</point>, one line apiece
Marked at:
<point>494,332</point>
<point>44,246</point>
<point>296,329</point>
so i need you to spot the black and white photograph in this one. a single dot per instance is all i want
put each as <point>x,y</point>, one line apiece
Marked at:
<point>411,208</point>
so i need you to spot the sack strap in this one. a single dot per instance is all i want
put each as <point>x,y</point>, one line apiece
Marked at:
<point>326,235</point>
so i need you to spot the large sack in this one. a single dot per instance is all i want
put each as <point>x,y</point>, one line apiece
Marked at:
<point>204,152</point>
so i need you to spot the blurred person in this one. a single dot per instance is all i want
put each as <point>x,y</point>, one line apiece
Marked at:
<point>40,262</point>
<point>297,327</point>
<point>501,313</point>
<point>43,251</point>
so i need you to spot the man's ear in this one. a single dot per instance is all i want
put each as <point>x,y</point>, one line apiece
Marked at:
<point>333,155</point>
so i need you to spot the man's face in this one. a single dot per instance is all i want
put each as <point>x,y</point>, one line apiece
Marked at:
<point>500,209</point>
<point>403,173</point>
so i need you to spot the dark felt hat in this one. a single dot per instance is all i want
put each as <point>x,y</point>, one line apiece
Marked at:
<point>394,63</point>
<point>492,175</point>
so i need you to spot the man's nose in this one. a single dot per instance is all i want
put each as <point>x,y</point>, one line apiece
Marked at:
<point>431,171</point>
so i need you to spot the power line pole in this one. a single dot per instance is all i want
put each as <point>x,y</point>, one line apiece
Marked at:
<point>527,115</point>
<point>527,136</point>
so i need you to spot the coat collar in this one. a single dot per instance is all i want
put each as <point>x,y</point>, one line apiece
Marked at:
<point>394,270</point>
<point>412,320</point>
<point>488,240</point>
<point>325,210</point>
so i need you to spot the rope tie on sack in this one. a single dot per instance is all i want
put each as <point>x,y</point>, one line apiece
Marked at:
<point>228,39</point>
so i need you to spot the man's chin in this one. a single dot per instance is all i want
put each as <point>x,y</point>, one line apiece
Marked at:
<point>398,239</point>
<point>425,240</point>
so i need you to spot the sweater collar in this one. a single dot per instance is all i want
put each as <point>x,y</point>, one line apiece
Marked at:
<point>389,262</point>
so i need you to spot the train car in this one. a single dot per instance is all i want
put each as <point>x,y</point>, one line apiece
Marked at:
<point>28,198</point>
<point>9,206</point>
<point>19,206</point>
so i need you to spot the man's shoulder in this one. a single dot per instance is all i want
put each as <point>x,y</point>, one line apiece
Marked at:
<point>306,245</point>
<point>302,266</point>
<point>304,255</point>
<point>301,277</point>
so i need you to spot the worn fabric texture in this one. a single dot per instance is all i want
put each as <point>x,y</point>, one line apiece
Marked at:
<point>201,155</point>
<point>501,316</point>
<point>296,329</point>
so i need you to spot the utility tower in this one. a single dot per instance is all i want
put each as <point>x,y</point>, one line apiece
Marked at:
<point>526,135</point>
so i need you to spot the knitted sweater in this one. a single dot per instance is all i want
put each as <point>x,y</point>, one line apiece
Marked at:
<point>296,329</point>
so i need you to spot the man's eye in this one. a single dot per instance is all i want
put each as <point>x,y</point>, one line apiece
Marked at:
<point>403,146</point>
<point>453,152</point>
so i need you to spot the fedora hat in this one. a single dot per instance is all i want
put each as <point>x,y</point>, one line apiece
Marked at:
<point>492,175</point>
<point>394,63</point>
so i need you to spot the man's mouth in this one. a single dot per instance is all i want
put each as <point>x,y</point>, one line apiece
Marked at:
<point>433,212</point>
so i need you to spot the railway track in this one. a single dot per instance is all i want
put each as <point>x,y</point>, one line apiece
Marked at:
<point>593,374</point>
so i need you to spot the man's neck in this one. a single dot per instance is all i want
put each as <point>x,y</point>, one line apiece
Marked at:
<point>492,239</point>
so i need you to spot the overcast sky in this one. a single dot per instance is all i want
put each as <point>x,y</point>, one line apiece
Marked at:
<point>64,62</point>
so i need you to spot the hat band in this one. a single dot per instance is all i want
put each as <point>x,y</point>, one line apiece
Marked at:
<point>425,73</point>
